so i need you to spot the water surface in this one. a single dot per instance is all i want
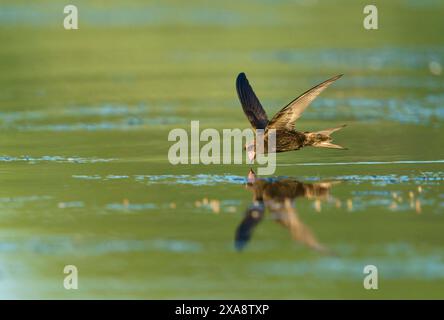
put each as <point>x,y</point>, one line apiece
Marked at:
<point>85,179</point>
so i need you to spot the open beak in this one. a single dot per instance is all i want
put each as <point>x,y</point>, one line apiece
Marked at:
<point>251,153</point>
<point>251,176</point>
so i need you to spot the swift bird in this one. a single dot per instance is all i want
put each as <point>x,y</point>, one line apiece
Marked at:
<point>287,138</point>
<point>277,196</point>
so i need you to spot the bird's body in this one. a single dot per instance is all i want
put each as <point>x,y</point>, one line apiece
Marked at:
<point>282,124</point>
<point>287,140</point>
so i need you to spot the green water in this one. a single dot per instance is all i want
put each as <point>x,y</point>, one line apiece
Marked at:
<point>85,179</point>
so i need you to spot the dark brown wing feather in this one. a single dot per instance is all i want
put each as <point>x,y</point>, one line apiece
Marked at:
<point>250,103</point>
<point>286,118</point>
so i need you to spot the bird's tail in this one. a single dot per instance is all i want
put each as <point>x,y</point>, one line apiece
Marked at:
<point>323,139</point>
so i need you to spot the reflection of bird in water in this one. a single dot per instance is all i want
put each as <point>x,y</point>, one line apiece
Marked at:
<point>287,138</point>
<point>277,196</point>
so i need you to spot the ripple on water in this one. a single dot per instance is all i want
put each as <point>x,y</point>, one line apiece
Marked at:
<point>421,267</point>
<point>65,245</point>
<point>112,117</point>
<point>107,110</point>
<point>59,159</point>
<point>131,206</point>
<point>399,261</point>
<point>70,204</point>
<point>346,59</point>
<point>196,180</point>
<point>23,199</point>
<point>408,110</point>
<point>425,178</point>
<point>419,111</point>
<point>124,15</point>
<point>127,124</point>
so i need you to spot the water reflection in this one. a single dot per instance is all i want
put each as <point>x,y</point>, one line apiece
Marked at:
<point>278,197</point>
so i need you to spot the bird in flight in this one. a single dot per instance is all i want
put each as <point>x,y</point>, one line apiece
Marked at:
<point>287,138</point>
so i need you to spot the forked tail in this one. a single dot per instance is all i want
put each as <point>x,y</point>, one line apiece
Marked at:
<point>323,139</point>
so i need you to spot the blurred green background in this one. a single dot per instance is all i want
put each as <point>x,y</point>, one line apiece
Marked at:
<point>84,174</point>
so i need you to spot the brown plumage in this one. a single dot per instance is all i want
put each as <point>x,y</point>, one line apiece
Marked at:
<point>287,138</point>
<point>277,196</point>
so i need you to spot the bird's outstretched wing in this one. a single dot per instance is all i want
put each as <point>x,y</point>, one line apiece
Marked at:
<point>286,118</point>
<point>285,214</point>
<point>253,216</point>
<point>250,103</point>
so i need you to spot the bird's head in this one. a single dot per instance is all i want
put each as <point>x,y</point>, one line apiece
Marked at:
<point>251,150</point>
<point>251,180</point>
